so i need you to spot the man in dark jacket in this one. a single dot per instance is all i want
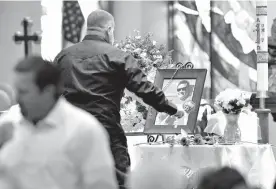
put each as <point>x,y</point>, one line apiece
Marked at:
<point>95,74</point>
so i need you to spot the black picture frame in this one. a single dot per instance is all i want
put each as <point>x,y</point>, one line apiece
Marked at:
<point>199,75</point>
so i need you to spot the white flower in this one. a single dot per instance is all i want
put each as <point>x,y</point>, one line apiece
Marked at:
<point>132,106</point>
<point>138,50</point>
<point>226,98</point>
<point>228,106</point>
<point>157,56</point>
<point>143,55</point>
<point>124,99</point>
<point>151,75</point>
<point>131,119</point>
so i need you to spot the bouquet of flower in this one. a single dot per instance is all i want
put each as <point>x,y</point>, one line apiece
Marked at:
<point>231,101</point>
<point>150,56</point>
<point>148,53</point>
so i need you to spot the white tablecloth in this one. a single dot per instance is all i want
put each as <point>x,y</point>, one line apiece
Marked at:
<point>255,162</point>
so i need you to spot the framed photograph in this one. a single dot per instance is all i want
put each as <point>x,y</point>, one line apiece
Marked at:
<point>184,89</point>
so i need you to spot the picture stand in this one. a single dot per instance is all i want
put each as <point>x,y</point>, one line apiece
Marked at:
<point>173,79</point>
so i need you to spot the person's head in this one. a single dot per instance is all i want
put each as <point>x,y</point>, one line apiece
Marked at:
<point>103,21</point>
<point>37,83</point>
<point>224,178</point>
<point>183,89</point>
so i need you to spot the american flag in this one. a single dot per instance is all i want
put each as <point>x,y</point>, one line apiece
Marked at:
<point>214,35</point>
<point>72,21</point>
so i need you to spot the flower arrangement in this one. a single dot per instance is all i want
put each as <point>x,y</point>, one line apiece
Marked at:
<point>186,140</point>
<point>231,101</point>
<point>150,56</point>
<point>148,53</point>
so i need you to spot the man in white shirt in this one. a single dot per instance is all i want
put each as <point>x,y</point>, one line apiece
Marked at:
<point>51,144</point>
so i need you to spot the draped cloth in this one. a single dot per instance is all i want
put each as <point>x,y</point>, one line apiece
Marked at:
<point>248,123</point>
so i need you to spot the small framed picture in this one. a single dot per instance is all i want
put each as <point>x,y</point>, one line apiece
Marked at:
<point>184,88</point>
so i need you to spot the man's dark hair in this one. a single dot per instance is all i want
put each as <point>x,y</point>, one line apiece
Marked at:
<point>185,82</point>
<point>224,178</point>
<point>45,72</point>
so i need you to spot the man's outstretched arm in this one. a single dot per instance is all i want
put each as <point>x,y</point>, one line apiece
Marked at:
<point>137,83</point>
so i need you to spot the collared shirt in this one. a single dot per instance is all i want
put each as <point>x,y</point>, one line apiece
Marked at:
<point>69,149</point>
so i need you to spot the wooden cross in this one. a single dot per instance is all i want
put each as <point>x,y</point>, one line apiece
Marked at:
<point>26,37</point>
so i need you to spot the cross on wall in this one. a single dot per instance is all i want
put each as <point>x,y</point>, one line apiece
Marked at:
<point>26,37</point>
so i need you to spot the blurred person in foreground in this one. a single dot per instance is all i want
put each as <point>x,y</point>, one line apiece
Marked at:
<point>224,178</point>
<point>95,75</point>
<point>157,174</point>
<point>51,144</point>
<point>7,180</point>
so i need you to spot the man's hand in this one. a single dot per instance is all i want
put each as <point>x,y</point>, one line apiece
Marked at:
<point>179,114</point>
<point>188,106</point>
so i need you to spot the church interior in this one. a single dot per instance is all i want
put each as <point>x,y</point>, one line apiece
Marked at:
<point>224,39</point>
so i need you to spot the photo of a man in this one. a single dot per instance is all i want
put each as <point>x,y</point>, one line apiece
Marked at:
<point>184,90</point>
<point>180,92</point>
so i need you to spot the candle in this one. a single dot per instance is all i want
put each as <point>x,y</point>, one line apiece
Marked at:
<point>262,47</point>
<point>262,77</point>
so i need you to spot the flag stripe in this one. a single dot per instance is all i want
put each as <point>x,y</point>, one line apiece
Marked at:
<point>191,21</point>
<point>192,44</point>
<point>233,60</point>
<point>224,32</point>
<point>221,82</point>
<point>224,52</point>
<point>228,71</point>
<point>248,74</point>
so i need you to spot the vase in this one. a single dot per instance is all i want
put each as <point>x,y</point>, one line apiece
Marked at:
<point>232,132</point>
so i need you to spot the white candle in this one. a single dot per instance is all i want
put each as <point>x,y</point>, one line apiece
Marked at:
<point>262,78</point>
<point>262,46</point>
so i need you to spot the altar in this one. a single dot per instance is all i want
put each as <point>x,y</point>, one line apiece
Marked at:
<point>255,162</point>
